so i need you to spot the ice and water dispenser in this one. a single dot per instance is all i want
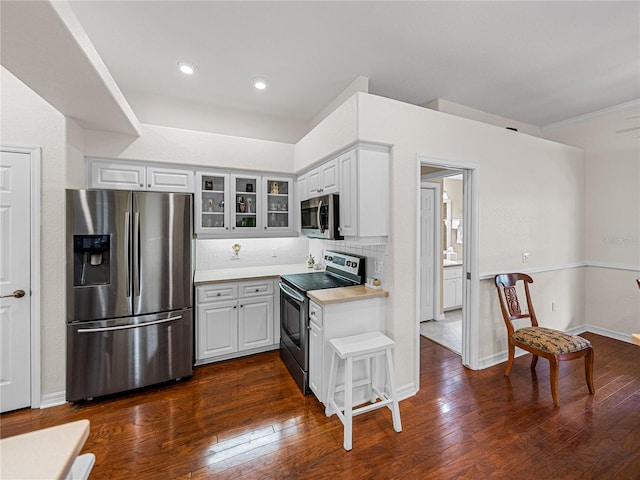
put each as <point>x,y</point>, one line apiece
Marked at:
<point>91,259</point>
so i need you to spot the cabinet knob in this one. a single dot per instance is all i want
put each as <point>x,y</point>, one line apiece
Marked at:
<point>141,185</point>
<point>257,289</point>
<point>149,186</point>
<point>265,227</point>
<point>219,294</point>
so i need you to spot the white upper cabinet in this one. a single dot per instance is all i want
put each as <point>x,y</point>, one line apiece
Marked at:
<point>278,203</point>
<point>247,203</point>
<point>364,193</point>
<point>135,176</point>
<point>211,203</point>
<point>169,179</point>
<point>123,176</point>
<point>324,179</point>
<point>303,187</point>
<point>243,204</point>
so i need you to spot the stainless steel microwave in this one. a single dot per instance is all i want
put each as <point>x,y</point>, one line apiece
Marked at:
<point>320,217</point>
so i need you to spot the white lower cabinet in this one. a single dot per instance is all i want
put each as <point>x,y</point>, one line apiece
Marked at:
<point>452,287</point>
<point>255,323</point>
<point>340,320</point>
<point>234,319</point>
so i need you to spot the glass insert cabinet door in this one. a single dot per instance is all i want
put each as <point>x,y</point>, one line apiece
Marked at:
<point>279,208</point>
<point>214,189</point>
<point>246,202</point>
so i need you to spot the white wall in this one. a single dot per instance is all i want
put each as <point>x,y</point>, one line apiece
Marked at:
<point>27,120</point>
<point>612,216</point>
<point>180,113</point>
<point>174,145</point>
<point>532,193</point>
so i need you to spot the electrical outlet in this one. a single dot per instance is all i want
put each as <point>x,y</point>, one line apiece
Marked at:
<point>379,269</point>
<point>553,306</point>
<point>525,257</point>
<point>274,252</point>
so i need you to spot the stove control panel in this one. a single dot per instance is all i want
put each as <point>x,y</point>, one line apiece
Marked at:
<point>344,263</point>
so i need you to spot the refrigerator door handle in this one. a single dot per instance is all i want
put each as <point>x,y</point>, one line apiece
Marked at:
<point>136,254</point>
<point>126,327</point>
<point>127,253</point>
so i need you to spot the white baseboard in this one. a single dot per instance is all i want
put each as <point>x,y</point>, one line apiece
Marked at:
<point>53,399</point>
<point>406,391</point>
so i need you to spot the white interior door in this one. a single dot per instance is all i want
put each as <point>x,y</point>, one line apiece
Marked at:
<point>15,277</point>
<point>427,253</point>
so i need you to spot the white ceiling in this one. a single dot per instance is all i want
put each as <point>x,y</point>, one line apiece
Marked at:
<point>534,62</point>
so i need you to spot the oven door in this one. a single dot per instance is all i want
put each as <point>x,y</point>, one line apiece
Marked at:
<point>294,310</point>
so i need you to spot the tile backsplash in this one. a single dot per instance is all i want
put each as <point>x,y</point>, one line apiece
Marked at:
<point>213,254</point>
<point>374,253</point>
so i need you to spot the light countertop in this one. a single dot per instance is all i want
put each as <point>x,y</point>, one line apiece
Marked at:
<point>345,294</point>
<point>451,263</point>
<point>47,453</point>
<point>246,273</point>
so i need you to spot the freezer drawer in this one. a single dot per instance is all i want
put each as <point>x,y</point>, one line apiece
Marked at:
<point>111,356</point>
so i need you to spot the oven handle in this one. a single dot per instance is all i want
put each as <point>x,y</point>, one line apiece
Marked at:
<point>290,292</point>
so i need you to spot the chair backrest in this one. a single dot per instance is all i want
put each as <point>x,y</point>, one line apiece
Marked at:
<point>506,283</point>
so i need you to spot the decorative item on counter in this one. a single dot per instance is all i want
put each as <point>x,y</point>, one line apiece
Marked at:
<point>310,261</point>
<point>275,188</point>
<point>236,251</point>
<point>373,283</point>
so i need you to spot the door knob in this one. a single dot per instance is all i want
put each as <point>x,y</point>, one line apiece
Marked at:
<point>16,294</point>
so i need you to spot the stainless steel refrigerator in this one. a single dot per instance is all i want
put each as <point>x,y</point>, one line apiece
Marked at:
<point>129,290</point>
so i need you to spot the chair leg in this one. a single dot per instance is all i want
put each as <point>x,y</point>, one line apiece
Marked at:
<point>512,353</point>
<point>534,362</point>
<point>395,408</point>
<point>348,402</point>
<point>554,364</point>
<point>588,370</point>
<point>328,411</point>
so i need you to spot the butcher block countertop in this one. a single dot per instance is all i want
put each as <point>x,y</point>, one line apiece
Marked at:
<point>345,294</point>
<point>203,277</point>
<point>46,453</point>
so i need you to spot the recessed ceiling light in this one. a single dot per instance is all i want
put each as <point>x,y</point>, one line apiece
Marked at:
<point>187,68</point>
<point>259,82</point>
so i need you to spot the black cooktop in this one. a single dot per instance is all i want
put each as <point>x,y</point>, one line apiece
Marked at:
<point>315,281</point>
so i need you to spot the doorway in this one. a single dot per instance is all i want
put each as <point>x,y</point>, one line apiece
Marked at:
<point>442,256</point>
<point>433,171</point>
<point>20,271</point>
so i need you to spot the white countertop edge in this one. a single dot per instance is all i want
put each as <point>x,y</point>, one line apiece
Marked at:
<point>202,277</point>
<point>46,453</point>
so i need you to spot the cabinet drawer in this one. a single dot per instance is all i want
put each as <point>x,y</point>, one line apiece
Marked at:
<point>215,292</point>
<point>452,272</point>
<point>255,289</point>
<point>316,314</point>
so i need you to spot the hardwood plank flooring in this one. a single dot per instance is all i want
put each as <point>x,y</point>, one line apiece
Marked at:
<point>245,418</point>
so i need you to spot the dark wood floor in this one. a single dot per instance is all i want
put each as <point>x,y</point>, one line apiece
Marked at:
<point>246,419</point>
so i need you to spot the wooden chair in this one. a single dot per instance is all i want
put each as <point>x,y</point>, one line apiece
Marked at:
<point>553,345</point>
